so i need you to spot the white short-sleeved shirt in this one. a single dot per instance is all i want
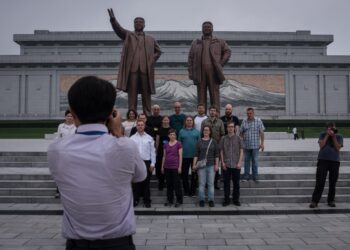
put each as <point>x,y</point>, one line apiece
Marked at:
<point>198,122</point>
<point>93,172</point>
<point>66,130</point>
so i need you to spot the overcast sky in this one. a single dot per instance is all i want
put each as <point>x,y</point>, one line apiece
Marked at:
<point>319,16</point>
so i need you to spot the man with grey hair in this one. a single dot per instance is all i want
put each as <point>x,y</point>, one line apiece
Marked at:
<point>155,120</point>
<point>206,59</point>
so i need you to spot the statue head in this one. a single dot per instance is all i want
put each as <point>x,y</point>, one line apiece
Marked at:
<point>207,28</point>
<point>139,23</point>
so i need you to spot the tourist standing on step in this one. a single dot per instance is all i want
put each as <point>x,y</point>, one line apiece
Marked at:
<point>189,137</point>
<point>229,117</point>
<point>252,132</point>
<point>218,130</point>
<point>65,129</point>
<point>145,146</point>
<point>200,117</point>
<point>93,171</point>
<point>155,120</point>
<point>177,120</point>
<point>206,162</point>
<point>231,154</point>
<point>328,160</point>
<point>171,168</point>
<point>130,122</point>
<point>161,139</point>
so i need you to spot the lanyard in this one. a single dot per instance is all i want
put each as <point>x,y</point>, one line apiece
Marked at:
<point>92,132</point>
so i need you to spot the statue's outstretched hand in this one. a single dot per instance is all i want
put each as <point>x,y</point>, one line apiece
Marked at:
<point>111,13</point>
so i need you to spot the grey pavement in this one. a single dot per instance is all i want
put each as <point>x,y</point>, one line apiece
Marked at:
<point>269,228</point>
<point>40,145</point>
<point>190,208</point>
<point>193,232</point>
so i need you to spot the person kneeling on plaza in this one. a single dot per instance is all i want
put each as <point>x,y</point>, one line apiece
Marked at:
<point>94,170</point>
<point>328,160</point>
<point>145,145</point>
<point>171,167</point>
<point>231,153</point>
<point>206,160</point>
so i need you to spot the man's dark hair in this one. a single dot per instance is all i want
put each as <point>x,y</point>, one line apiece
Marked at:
<point>92,99</point>
<point>171,131</point>
<point>67,112</point>
<point>250,109</point>
<point>330,124</point>
<point>200,104</point>
<point>213,107</point>
<point>230,122</point>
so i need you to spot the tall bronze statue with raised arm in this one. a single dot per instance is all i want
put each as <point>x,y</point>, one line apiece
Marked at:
<point>136,68</point>
<point>205,61</point>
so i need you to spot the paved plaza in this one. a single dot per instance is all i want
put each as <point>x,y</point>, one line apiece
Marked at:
<point>252,226</point>
<point>212,232</point>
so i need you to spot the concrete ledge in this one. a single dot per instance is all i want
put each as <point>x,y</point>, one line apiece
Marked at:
<point>159,210</point>
<point>278,136</point>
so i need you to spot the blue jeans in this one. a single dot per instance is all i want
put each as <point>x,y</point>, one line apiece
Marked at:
<point>251,155</point>
<point>206,176</point>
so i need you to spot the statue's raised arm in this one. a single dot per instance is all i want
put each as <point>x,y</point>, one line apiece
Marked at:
<point>119,30</point>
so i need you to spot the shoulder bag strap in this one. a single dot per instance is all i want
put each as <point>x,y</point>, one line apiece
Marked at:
<point>206,154</point>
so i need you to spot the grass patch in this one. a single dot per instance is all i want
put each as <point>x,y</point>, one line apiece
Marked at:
<point>25,133</point>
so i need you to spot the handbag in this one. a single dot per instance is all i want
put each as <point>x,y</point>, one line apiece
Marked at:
<point>203,163</point>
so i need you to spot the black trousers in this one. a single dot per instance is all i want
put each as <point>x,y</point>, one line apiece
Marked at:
<point>186,165</point>
<point>123,243</point>
<point>143,188</point>
<point>234,175</point>
<point>159,174</point>
<point>173,184</point>
<point>323,167</point>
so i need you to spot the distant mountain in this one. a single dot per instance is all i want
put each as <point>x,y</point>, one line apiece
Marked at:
<point>169,91</point>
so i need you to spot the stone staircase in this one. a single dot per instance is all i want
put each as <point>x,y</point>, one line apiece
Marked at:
<point>285,177</point>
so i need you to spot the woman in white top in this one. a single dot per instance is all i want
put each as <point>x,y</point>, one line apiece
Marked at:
<point>130,121</point>
<point>67,128</point>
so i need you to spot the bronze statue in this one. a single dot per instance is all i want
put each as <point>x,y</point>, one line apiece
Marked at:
<point>136,68</point>
<point>206,58</point>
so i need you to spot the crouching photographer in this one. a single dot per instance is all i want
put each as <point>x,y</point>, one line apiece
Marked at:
<point>328,160</point>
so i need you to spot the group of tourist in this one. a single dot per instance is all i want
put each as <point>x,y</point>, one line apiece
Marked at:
<point>93,169</point>
<point>188,151</point>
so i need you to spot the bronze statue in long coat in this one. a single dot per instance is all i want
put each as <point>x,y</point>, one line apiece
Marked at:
<point>206,59</point>
<point>136,68</point>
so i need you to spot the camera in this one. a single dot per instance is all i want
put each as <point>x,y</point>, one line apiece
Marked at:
<point>334,130</point>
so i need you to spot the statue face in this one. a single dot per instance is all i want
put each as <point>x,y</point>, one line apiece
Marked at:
<point>139,24</point>
<point>207,29</point>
